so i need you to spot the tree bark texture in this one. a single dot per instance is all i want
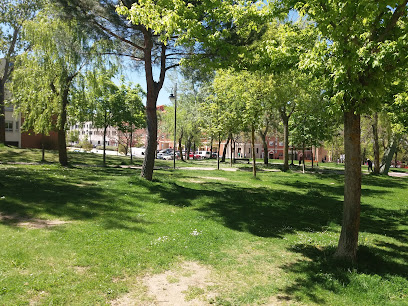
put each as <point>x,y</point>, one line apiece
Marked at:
<point>224,152</point>
<point>348,242</point>
<point>62,144</point>
<point>376,144</point>
<point>153,89</point>
<point>148,162</point>
<point>265,148</point>
<point>389,153</point>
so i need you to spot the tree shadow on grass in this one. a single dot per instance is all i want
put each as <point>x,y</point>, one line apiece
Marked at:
<point>273,212</point>
<point>260,211</point>
<point>68,193</point>
<point>381,264</point>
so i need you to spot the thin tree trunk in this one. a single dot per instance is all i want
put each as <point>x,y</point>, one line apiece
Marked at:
<point>231,151</point>
<point>376,145</point>
<point>396,160</point>
<point>211,147</point>
<point>292,156</point>
<point>62,145</point>
<point>104,144</point>
<point>153,89</point>
<point>224,151</point>
<point>348,242</point>
<point>131,140</point>
<point>286,144</point>
<point>180,146</point>
<point>389,153</point>
<point>363,158</point>
<point>253,151</point>
<point>312,157</point>
<point>2,113</point>
<point>218,151</point>
<point>188,149</point>
<point>265,148</point>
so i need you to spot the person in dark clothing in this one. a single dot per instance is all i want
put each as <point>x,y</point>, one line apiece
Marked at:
<point>370,165</point>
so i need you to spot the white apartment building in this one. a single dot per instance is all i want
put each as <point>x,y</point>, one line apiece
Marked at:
<point>94,135</point>
<point>13,133</point>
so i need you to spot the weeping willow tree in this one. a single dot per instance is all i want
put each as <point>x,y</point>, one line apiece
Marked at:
<point>46,78</point>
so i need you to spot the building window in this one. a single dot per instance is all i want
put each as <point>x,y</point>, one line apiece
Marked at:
<point>17,125</point>
<point>257,150</point>
<point>9,126</point>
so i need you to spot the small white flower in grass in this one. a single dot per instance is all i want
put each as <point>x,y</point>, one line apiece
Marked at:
<point>3,197</point>
<point>195,233</point>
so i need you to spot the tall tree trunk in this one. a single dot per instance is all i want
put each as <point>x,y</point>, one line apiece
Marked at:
<point>265,147</point>
<point>348,242</point>
<point>188,149</point>
<point>153,89</point>
<point>232,140</point>
<point>224,151</point>
<point>180,145</point>
<point>389,153</point>
<point>218,151</point>
<point>130,145</point>
<point>42,148</point>
<point>292,156</point>
<point>376,145</point>
<point>211,147</point>
<point>2,112</point>
<point>253,151</point>
<point>312,157</point>
<point>62,145</point>
<point>104,144</point>
<point>285,121</point>
<point>396,160</point>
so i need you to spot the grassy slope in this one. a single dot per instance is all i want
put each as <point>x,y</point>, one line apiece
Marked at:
<point>270,237</point>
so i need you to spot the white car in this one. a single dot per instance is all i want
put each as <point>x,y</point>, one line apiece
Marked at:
<point>203,155</point>
<point>167,156</point>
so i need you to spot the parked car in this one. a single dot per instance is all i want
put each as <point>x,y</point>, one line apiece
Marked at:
<point>202,155</point>
<point>163,152</point>
<point>167,156</point>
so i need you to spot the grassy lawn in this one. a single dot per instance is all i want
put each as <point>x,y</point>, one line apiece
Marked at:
<point>93,235</point>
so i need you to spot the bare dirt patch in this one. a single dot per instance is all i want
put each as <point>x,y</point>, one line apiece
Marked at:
<point>187,284</point>
<point>214,178</point>
<point>29,222</point>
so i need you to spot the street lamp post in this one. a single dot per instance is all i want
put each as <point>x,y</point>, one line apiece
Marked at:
<point>173,98</point>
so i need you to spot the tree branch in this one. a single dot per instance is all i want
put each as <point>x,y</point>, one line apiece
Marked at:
<point>172,66</point>
<point>103,28</point>
<point>398,13</point>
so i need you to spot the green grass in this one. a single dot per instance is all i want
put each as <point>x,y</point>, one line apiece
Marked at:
<point>267,240</point>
